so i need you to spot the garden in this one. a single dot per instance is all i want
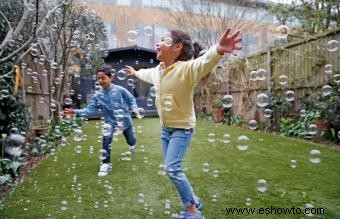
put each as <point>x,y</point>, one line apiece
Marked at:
<point>266,142</point>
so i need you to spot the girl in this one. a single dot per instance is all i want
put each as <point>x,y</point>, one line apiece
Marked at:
<point>114,102</point>
<point>175,78</point>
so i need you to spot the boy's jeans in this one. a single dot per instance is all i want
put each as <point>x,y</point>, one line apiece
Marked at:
<point>129,137</point>
<point>175,142</point>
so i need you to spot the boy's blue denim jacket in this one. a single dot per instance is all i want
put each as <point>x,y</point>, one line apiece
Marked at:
<point>114,103</point>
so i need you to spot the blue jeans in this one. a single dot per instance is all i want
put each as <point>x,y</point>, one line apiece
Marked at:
<point>129,137</point>
<point>175,142</point>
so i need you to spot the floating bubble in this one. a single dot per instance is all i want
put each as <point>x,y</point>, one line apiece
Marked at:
<point>290,95</point>
<point>283,30</point>
<point>228,101</point>
<point>103,154</point>
<point>226,138</point>
<point>328,68</point>
<point>332,45</point>
<point>78,149</point>
<point>149,102</point>
<point>71,92</point>
<point>106,129</point>
<point>53,106</point>
<point>262,74</point>
<point>262,100</point>
<point>309,210</point>
<point>168,41</point>
<point>68,101</point>
<point>267,113</point>
<point>205,167</point>
<point>167,103</point>
<point>151,61</point>
<point>57,81</point>
<point>312,129</point>
<point>293,163</point>
<point>4,93</point>
<point>113,72</point>
<point>121,75</point>
<point>283,80</point>
<point>326,90</point>
<point>248,201</point>
<point>315,156</point>
<point>215,173</point>
<point>79,96</point>
<point>336,78</point>
<point>148,31</point>
<point>78,134</point>
<point>63,205</point>
<point>242,143</point>
<point>141,198</point>
<point>44,72</point>
<point>152,91</point>
<point>253,124</point>
<point>303,113</point>
<point>211,137</point>
<point>262,185</point>
<point>132,36</point>
<point>253,75</point>
<point>130,82</point>
<point>54,65</point>
<point>104,30</point>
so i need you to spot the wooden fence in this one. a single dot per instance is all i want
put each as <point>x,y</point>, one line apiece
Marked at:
<point>302,62</point>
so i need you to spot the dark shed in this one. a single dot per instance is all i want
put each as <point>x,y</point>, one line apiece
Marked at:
<point>138,58</point>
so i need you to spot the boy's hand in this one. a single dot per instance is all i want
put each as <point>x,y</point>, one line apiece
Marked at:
<point>138,115</point>
<point>129,70</point>
<point>228,44</point>
<point>69,111</point>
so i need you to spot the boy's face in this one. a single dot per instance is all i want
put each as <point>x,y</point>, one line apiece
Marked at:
<point>103,79</point>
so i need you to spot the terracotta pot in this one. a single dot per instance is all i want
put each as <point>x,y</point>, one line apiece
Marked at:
<point>41,130</point>
<point>218,115</point>
<point>322,126</point>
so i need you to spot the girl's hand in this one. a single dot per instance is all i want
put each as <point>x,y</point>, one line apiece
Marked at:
<point>129,70</point>
<point>228,44</point>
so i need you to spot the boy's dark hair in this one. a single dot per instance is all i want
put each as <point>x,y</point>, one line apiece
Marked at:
<point>179,36</point>
<point>106,69</point>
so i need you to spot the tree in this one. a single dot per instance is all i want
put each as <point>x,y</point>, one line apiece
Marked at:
<point>52,42</point>
<point>310,17</point>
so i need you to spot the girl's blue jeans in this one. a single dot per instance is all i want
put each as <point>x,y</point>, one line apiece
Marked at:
<point>175,142</point>
<point>129,137</point>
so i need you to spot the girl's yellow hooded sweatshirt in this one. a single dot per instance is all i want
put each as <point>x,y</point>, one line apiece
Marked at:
<point>175,87</point>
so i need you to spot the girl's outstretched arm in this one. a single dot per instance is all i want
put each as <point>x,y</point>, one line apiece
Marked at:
<point>228,44</point>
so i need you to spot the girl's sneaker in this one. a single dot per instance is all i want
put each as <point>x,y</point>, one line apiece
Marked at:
<point>104,169</point>
<point>187,215</point>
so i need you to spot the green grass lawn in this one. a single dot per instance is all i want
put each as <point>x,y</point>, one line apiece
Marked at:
<point>72,177</point>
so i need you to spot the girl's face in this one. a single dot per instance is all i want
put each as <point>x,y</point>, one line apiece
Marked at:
<point>167,51</point>
<point>104,80</point>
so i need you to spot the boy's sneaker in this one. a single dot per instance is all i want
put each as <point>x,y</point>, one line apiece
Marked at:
<point>187,215</point>
<point>133,148</point>
<point>199,205</point>
<point>104,169</point>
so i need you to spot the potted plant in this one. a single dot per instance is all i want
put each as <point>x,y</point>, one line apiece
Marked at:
<point>42,126</point>
<point>217,108</point>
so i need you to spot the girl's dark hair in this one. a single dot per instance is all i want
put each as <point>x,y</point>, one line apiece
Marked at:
<point>190,49</point>
<point>106,69</point>
<point>179,36</point>
<point>198,50</point>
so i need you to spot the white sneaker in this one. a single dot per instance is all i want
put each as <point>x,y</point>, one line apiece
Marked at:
<point>104,169</point>
<point>133,148</point>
